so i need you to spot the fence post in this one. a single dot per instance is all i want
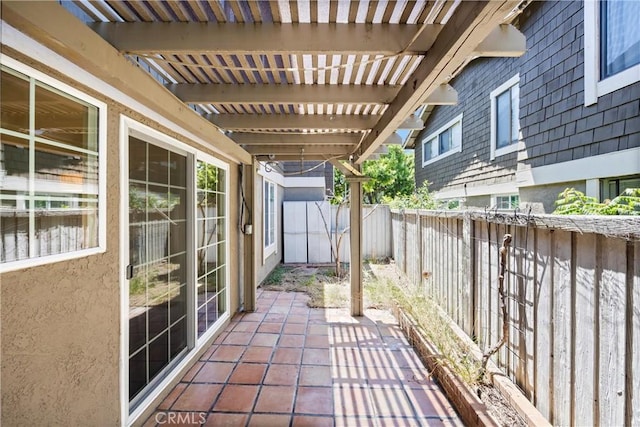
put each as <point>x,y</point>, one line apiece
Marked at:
<point>419,249</point>
<point>469,272</point>
<point>404,242</point>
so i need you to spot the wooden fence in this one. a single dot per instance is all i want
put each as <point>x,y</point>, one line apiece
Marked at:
<point>573,302</point>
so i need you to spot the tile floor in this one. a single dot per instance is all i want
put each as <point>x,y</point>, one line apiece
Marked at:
<point>289,365</point>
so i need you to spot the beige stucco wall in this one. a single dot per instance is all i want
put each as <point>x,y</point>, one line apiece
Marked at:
<point>60,323</point>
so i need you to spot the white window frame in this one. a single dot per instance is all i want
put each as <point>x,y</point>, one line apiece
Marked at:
<point>456,123</point>
<point>131,127</point>
<point>593,86</point>
<point>513,82</point>
<point>270,248</point>
<point>101,247</point>
<point>494,199</point>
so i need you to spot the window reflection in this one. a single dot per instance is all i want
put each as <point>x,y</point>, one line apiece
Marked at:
<point>48,171</point>
<point>211,234</point>
<point>158,289</point>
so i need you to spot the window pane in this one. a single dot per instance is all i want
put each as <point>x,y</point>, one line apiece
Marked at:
<point>426,151</point>
<point>515,114</point>
<point>65,119</point>
<point>58,168</point>
<point>14,161</point>
<point>445,141</point>
<point>14,102</point>
<point>503,119</point>
<point>14,235</point>
<point>211,244</point>
<point>158,169</point>
<point>620,39</point>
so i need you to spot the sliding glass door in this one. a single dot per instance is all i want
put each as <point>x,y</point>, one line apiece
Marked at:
<point>177,267</point>
<point>158,242</point>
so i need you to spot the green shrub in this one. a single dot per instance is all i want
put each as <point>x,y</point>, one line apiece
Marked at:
<point>574,202</point>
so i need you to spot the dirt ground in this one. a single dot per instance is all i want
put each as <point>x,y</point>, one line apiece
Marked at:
<point>328,290</point>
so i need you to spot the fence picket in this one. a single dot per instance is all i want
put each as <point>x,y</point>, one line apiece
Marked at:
<point>573,287</point>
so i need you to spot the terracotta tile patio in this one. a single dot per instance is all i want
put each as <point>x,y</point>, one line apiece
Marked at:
<point>289,365</point>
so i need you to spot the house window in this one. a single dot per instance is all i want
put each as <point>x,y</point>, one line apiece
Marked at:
<point>51,170</point>
<point>505,125</point>
<point>511,201</point>
<point>211,255</point>
<point>612,46</point>
<point>442,143</point>
<point>269,207</point>
<point>612,188</point>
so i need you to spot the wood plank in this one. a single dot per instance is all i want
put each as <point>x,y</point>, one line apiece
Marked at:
<point>263,38</point>
<point>635,363</point>
<point>586,328</point>
<point>612,332</point>
<point>292,122</point>
<point>544,264</point>
<point>562,328</point>
<point>285,94</point>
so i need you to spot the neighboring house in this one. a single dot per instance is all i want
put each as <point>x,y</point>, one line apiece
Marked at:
<point>132,227</point>
<point>565,114</point>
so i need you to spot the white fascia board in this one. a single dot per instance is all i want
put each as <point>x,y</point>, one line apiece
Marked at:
<point>479,190</point>
<point>304,182</point>
<point>24,44</point>
<point>618,163</point>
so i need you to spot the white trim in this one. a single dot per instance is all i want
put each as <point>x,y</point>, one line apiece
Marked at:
<point>269,250</point>
<point>123,361</point>
<point>618,163</point>
<point>593,188</point>
<point>497,152</point>
<point>102,167</point>
<point>13,38</point>
<point>456,121</point>
<point>303,182</point>
<point>593,86</point>
<point>130,127</point>
<point>479,190</point>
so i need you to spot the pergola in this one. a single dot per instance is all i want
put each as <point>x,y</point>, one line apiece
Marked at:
<point>281,80</point>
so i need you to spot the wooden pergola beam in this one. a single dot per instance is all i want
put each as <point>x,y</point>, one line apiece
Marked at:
<point>283,94</point>
<point>291,122</point>
<point>267,38</point>
<point>472,20</point>
<point>52,25</point>
<point>302,151</point>
<point>248,138</point>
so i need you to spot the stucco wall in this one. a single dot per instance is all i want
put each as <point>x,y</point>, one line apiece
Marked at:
<point>60,322</point>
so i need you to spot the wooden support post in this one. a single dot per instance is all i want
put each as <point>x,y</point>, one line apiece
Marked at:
<point>249,241</point>
<point>356,245</point>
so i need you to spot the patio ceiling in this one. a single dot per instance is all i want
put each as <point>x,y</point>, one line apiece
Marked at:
<point>304,80</point>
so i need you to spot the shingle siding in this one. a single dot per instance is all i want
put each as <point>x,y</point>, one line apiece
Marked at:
<point>473,164</point>
<point>552,111</point>
<point>555,124</point>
